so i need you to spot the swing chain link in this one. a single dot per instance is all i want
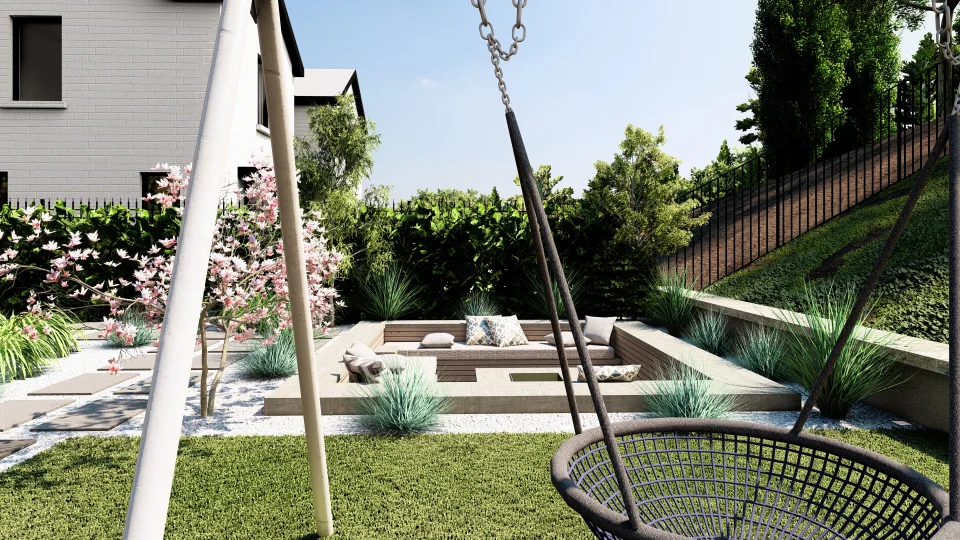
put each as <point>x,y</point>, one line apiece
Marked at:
<point>943,34</point>
<point>494,46</point>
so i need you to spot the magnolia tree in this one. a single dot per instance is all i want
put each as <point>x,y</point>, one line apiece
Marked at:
<point>246,279</point>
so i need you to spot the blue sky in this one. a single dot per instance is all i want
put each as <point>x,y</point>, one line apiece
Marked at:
<point>585,71</point>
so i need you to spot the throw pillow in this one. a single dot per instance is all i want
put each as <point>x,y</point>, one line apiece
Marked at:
<point>361,350</point>
<point>624,373</point>
<point>478,330</point>
<point>599,329</point>
<point>567,339</point>
<point>507,331</point>
<point>365,370</point>
<point>439,340</point>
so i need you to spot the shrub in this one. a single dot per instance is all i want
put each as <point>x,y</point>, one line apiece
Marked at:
<point>403,402</point>
<point>684,392</point>
<point>760,350</point>
<point>862,369</point>
<point>478,303</point>
<point>144,335</point>
<point>671,301</point>
<point>273,361</point>
<point>709,332</point>
<point>537,299</point>
<point>29,343</point>
<point>389,295</point>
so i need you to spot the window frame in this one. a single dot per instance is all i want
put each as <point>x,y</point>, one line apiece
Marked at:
<point>16,26</point>
<point>263,115</point>
<point>4,188</point>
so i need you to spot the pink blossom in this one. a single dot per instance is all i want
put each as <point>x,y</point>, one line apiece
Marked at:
<point>31,332</point>
<point>51,246</point>
<point>114,367</point>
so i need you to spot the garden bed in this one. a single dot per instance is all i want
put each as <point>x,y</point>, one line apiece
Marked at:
<point>492,390</point>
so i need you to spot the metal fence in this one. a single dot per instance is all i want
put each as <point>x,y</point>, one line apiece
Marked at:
<point>760,205</point>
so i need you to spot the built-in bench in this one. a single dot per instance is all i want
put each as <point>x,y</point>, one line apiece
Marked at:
<point>510,386</point>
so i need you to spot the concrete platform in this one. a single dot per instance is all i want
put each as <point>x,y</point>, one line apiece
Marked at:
<point>17,411</point>
<point>100,415</point>
<point>84,385</point>
<point>142,387</point>
<point>10,447</point>
<point>495,392</point>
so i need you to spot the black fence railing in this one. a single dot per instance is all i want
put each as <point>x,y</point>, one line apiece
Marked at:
<point>765,202</point>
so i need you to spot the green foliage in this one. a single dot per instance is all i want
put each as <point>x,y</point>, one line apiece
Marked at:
<point>913,291</point>
<point>800,50</point>
<point>684,392</point>
<point>22,357</point>
<point>478,303</point>
<point>760,349</point>
<point>279,359</point>
<point>145,334</point>
<point>118,228</point>
<point>731,171</point>
<point>671,301</point>
<point>389,295</point>
<point>402,402</point>
<point>709,332</point>
<point>862,370</point>
<point>338,153</point>
<point>538,297</point>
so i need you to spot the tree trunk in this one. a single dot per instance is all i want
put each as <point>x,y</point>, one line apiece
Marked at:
<point>216,380</point>
<point>203,363</point>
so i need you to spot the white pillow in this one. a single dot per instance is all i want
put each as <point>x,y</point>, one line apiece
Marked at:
<point>599,329</point>
<point>440,340</point>
<point>567,339</point>
<point>361,350</point>
<point>507,331</point>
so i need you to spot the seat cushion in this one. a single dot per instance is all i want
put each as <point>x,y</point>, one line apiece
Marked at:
<point>624,373</point>
<point>567,339</point>
<point>538,350</point>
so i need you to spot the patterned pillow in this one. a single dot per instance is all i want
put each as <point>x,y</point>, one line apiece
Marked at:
<point>478,330</point>
<point>507,331</point>
<point>624,373</point>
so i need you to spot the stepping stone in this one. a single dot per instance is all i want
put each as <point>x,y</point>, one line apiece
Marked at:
<point>145,362</point>
<point>142,387</point>
<point>83,385</point>
<point>100,415</point>
<point>10,447</point>
<point>17,411</point>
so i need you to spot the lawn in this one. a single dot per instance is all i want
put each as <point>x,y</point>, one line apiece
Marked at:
<point>912,297</point>
<point>430,486</point>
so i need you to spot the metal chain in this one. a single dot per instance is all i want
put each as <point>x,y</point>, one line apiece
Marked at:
<point>943,34</point>
<point>496,49</point>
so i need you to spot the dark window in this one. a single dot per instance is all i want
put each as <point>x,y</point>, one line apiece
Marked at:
<point>244,181</point>
<point>4,189</point>
<point>37,65</point>
<point>262,117</point>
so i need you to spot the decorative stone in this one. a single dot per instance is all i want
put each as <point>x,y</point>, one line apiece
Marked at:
<point>100,415</point>
<point>84,385</point>
<point>17,411</point>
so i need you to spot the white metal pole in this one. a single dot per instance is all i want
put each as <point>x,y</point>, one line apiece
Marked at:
<point>150,496</point>
<point>280,107</point>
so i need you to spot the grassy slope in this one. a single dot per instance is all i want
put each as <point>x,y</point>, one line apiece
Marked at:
<point>433,486</point>
<point>912,298</point>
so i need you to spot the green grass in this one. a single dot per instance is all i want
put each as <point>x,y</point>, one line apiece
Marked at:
<point>447,486</point>
<point>423,487</point>
<point>912,297</point>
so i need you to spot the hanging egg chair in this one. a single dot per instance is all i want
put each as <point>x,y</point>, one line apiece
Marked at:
<point>674,478</point>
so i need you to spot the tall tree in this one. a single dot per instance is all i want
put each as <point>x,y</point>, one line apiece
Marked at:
<point>337,154</point>
<point>800,50</point>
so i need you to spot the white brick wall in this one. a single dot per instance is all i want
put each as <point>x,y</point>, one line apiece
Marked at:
<point>134,77</point>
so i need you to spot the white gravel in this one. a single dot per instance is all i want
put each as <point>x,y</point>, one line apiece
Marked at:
<point>240,406</point>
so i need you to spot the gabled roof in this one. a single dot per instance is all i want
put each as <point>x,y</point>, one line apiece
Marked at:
<point>289,39</point>
<point>322,86</point>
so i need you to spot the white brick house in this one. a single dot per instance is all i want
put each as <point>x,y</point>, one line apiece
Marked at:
<point>128,94</point>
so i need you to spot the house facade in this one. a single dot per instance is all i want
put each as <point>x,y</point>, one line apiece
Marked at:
<point>95,93</point>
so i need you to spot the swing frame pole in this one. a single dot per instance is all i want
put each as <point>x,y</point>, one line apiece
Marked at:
<point>544,271</point>
<point>526,177</point>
